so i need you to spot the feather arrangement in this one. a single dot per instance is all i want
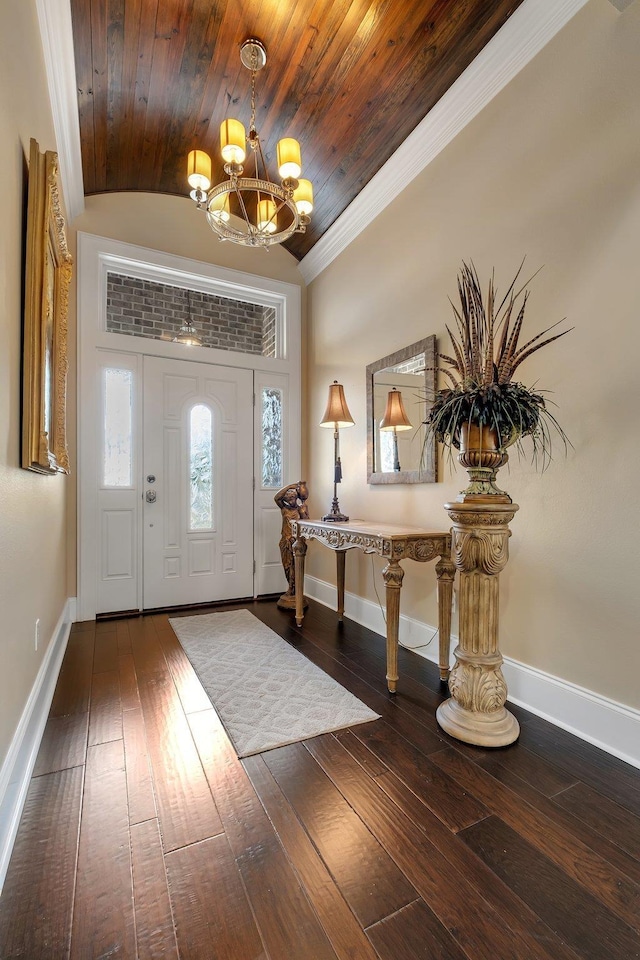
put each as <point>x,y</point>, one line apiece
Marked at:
<point>486,353</point>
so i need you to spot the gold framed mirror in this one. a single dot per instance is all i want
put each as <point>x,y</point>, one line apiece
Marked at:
<point>400,388</point>
<point>47,279</point>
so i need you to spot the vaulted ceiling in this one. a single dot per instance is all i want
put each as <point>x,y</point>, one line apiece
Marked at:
<point>350,79</point>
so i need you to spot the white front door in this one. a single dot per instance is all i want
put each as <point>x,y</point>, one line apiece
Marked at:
<point>197,521</point>
<point>179,518</point>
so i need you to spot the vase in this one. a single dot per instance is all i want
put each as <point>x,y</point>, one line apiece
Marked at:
<point>482,456</point>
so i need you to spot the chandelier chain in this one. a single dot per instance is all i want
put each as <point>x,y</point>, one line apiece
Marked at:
<point>252,122</point>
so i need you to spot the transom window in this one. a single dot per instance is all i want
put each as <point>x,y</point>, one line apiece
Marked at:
<point>139,307</point>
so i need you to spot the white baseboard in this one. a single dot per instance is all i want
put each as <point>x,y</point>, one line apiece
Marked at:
<point>20,760</point>
<point>605,723</point>
<point>72,609</point>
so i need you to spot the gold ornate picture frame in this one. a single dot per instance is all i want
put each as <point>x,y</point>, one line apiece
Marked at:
<point>48,269</point>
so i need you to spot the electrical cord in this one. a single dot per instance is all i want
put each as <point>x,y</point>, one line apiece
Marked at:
<point>420,645</point>
<point>406,646</point>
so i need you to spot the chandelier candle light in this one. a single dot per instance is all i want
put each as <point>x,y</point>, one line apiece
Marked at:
<point>336,415</point>
<point>395,418</point>
<point>252,211</point>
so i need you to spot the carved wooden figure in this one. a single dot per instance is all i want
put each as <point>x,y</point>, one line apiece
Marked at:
<point>292,501</point>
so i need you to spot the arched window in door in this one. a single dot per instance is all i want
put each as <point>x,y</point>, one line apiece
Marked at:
<point>200,461</point>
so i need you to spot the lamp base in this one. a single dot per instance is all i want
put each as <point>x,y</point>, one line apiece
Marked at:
<point>335,515</point>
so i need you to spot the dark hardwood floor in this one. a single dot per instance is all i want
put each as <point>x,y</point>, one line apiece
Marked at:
<point>143,835</point>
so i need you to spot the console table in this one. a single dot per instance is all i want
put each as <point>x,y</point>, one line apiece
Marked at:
<point>395,543</point>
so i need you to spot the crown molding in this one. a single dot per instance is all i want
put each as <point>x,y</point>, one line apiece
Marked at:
<point>525,33</point>
<point>54,19</point>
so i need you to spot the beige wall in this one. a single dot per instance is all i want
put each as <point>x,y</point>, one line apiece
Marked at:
<point>32,507</point>
<point>550,170</point>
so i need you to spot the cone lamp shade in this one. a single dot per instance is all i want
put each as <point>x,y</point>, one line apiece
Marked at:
<point>395,415</point>
<point>337,413</point>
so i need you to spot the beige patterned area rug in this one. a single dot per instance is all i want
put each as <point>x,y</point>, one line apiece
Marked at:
<point>265,692</point>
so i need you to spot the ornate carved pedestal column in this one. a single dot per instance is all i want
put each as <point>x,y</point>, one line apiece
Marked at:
<point>476,712</point>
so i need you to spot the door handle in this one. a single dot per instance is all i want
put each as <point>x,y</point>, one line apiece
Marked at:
<point>150,496</point>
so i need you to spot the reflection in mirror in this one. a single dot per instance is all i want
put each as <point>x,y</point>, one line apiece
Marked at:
<point>399,390</point>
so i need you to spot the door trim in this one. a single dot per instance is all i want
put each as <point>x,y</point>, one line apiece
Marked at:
<point>98,256</point>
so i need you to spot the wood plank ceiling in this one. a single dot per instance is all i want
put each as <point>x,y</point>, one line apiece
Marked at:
<point>350,79</point>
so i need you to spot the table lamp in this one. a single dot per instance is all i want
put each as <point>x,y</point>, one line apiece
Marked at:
<point>395,418</point>
<point>336,415</point>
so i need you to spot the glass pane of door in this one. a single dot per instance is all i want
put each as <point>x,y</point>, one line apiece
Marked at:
<point>117,451</point>
<point>201,468</point>
<point>272,438</point>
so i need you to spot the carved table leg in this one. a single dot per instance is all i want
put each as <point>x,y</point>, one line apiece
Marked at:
<point>393,574</point>
<point>476,712</point>
<point>445,571</point>
<point>299,551</point>
<point>340,558</point>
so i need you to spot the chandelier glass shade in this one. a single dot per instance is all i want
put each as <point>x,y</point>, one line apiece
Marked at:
<point>253,210</point>
<point>188,335</point>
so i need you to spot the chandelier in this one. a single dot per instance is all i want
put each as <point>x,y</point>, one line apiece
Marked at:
<point>251,210</point>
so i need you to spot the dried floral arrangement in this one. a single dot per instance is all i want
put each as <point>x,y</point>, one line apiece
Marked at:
<point>486,354</point>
